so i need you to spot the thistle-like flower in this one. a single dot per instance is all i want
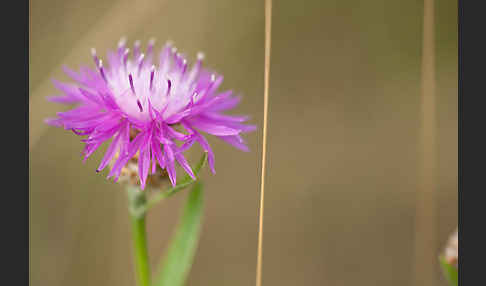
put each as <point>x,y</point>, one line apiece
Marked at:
<point>151,113</point>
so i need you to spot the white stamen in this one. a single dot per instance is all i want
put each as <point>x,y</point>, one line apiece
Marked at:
<point>140,59</point>
<point>122,42</point>
<point>140,63</point>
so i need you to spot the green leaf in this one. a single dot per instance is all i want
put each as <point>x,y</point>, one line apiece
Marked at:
<point>180,254</point>
<point>185,182</point>
<point>450,272</point>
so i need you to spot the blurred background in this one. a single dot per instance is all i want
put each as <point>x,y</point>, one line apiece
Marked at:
<point>344,146</point>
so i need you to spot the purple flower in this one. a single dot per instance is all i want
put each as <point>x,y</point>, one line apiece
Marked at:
<point>148,109</point>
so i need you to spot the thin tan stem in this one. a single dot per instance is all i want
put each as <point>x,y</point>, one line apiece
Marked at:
<point>268,23</point>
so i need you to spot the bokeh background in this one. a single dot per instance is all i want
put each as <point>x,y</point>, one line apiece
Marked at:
<point>344,149</point>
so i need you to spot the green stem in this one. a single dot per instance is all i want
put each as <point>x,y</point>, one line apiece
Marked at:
<point>141,252</point>
<point>137,207</point>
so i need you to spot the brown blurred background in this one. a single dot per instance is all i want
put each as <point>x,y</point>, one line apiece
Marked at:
<point>343,143</point>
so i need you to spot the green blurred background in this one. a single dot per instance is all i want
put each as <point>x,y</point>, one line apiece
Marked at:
<point>343,143</point>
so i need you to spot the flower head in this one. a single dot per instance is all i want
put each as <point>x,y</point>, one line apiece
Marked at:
<point>151,112</point>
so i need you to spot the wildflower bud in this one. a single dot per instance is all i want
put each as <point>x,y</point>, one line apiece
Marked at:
<point>451,253</point>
